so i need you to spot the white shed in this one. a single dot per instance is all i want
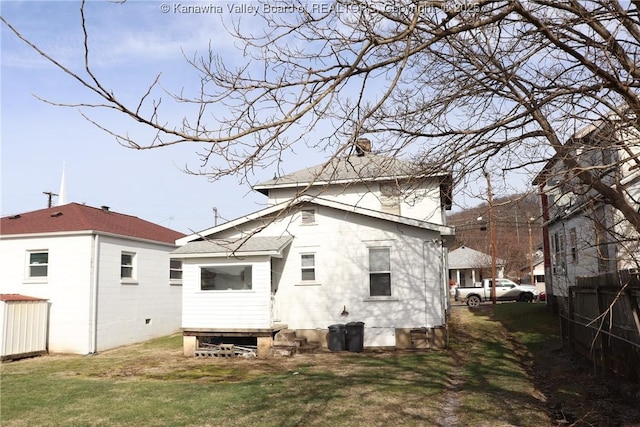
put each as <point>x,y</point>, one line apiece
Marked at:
<point>23,323</point>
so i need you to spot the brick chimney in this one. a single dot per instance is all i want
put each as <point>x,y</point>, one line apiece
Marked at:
<point>363,145</point>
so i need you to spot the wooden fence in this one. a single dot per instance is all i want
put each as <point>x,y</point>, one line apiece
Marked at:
<point>603,322</point>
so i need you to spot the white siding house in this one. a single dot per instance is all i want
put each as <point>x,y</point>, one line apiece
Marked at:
<point>584,235</point>
<point>322,256</point>
<point>105,275</point>
<point>468,266</point>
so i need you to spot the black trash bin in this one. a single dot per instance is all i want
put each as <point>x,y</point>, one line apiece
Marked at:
<point>337,341</point>
<point>355,336</point>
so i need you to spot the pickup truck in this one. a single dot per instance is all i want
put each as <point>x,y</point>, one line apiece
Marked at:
<point>506,290</point>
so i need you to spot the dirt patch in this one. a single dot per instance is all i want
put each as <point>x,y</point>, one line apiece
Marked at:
<point>577,397</point>
<point>572,394</point>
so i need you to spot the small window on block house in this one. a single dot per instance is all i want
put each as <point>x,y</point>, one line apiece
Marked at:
<point>38,264</point>
<point>175,271</point>
<point>126,265</point>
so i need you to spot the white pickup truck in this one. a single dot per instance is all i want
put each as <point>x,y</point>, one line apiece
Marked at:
<point>506,290</point>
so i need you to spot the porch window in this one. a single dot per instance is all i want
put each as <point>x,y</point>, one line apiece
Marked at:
<point>38,264</point>
<point>379,272</point>
<point>226,278</point>
<point>308,267</point>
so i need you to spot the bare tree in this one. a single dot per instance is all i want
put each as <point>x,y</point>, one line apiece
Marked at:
<point>468,86</point>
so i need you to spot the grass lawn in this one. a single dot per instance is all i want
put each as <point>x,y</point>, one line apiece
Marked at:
<point>481,380</point>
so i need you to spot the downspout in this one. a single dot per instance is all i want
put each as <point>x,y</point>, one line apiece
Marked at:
<point>93,295</point>
<point>424,273</point>
<point>444,277</point>
<point>546,249</point>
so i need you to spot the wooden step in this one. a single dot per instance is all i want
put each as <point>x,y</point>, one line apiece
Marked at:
<point>309,347</point>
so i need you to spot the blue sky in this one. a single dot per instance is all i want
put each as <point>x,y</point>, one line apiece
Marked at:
<point>130,44</point>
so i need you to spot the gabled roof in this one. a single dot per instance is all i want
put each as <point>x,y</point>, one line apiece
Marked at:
<point>305,199</point>
<point>74,217</point>
<point>464,257</point>
<point>344,170</point>
<point>254,245</point>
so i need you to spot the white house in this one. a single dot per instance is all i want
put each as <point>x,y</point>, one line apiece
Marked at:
<point>583,235</point>
<point>106,275</point>
<point>468,266</point>
<point>538,272</point>
<point>361,239</point>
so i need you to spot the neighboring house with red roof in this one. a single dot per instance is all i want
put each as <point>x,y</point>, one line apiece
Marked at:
<point>107,276</point>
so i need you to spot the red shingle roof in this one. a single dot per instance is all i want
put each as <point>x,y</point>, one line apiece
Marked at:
<point>77,217</point>
<point>18,297</point>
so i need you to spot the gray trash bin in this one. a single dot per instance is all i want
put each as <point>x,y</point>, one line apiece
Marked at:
<point>337,341</point>
<point>355,336</point>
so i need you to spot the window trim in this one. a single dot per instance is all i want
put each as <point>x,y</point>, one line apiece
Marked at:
<point>386,272</point>
<point>311,268</point>
<point>573,245</point>
<point>314,214</point>
<point>132,279</point>
<point>175,281</point>
<point>202,267</point>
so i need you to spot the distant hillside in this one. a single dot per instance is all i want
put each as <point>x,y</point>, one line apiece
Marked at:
<point>512,214</point>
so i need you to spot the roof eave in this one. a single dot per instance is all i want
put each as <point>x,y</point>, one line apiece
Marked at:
<point>229,254</point>
<point>82,233</point>
<point>264,188</point>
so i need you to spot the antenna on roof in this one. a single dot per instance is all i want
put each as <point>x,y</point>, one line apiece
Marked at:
<point>62,198</point>
<point>50,194</point>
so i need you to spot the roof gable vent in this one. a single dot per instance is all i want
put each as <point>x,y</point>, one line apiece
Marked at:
<point>56,214</point>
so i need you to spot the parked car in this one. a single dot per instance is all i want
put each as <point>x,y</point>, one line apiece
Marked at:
<point>506,290</point>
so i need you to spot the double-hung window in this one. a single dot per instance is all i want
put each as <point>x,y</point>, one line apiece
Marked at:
<point>573,244</point>
<point>38,264</point>
<point>126,265</point>
<point>175,271</point>
<point>308,267</point>
<point>379,272</point>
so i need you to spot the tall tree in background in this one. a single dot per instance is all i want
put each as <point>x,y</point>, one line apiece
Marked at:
<point>463,85</point>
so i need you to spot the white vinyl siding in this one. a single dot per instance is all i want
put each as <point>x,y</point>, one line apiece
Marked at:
<point>229,308</point>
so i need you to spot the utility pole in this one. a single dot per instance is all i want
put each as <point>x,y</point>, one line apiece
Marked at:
<point>531,219</point>
<point>492,232</point>
<point>50,194</point>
